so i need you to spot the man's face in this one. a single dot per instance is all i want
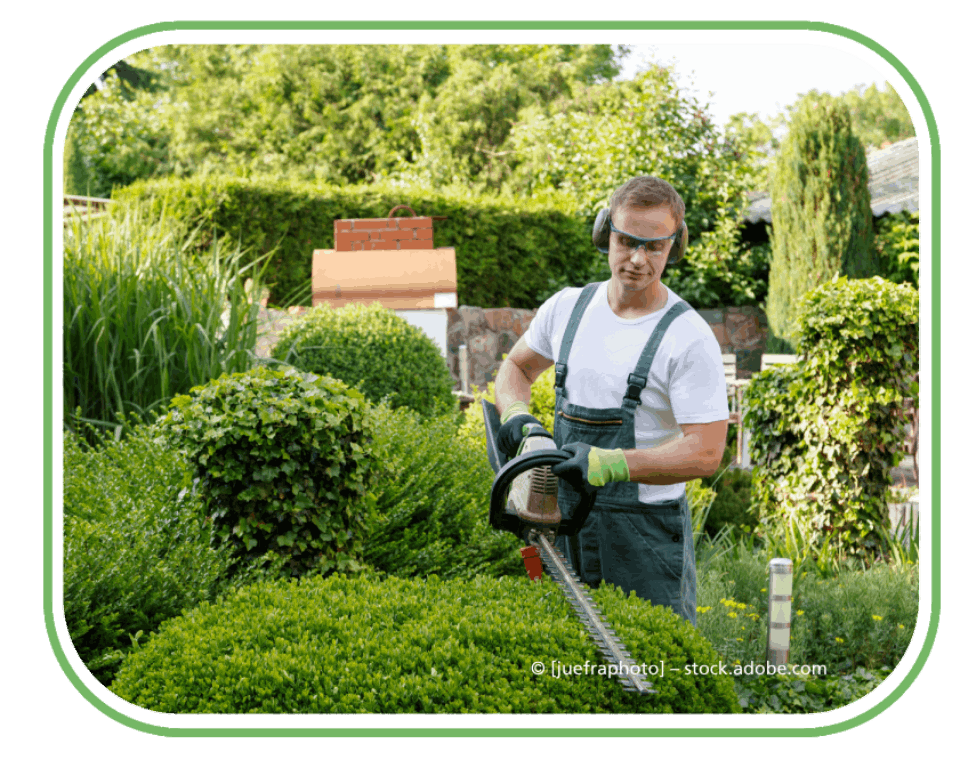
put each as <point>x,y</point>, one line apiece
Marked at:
<point>639,269</point>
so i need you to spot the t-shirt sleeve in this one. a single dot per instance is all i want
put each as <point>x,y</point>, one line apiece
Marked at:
<point>698,387</point>
<point>539,334</point>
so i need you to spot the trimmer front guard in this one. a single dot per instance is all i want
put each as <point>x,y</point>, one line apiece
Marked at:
<point>508,471</point>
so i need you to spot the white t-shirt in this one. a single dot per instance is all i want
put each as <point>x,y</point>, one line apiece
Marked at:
<point>686,384</point>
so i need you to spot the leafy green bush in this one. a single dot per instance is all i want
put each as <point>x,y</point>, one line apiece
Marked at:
<point>433,503</point>
<point>135,552</point>
<point>373,349</point>
<point>343,645</point>
<point>801,694</point>
<point>542,402</point>
<point>284,463</point>
<point>827,430</point>
<point>732,505</point>
<point>898,246</point>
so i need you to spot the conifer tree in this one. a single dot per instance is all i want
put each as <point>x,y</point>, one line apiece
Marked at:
<point>76,176</point>
<point>822,222</point>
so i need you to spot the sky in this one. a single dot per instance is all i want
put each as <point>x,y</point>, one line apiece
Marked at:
<point>761,78</point>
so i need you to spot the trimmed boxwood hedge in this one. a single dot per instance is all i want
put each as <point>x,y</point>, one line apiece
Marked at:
<point>354,645</point>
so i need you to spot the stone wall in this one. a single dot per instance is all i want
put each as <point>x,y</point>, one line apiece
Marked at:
<point>488,333</point>
<point>491,333</point>
<point>741,331</point>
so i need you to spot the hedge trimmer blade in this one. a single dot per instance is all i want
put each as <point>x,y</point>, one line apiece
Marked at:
<point>533,526</point>
<point>612,649</point>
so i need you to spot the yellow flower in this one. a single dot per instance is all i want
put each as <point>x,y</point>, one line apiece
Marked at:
<point>739,639</point>
<point>703,608</point>
<point>732,615</point>
<point>800,613</point>
<point>838,639</point>
<point>877,618</point>
<point>764,589</point>
<point>901,626</point>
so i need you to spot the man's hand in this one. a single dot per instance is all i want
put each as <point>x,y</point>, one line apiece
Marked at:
<point>512,430</point>
<point>593,466</point>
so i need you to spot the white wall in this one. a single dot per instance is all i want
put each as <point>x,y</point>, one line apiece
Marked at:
<point>432,321</point>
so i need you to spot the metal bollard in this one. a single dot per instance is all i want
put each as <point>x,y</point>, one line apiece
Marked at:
<point>464,370</point>
<point>745,463</point>
<point>780,591</point>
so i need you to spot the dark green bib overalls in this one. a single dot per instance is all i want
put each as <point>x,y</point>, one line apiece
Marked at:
<point>642,547</point>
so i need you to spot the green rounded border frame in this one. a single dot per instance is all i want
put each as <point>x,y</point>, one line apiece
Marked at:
<point>727,729</point>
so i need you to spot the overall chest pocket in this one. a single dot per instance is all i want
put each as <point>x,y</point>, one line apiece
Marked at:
<point>576,421</point>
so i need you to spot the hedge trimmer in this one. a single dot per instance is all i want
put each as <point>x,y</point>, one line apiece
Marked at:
<point>523,501</point>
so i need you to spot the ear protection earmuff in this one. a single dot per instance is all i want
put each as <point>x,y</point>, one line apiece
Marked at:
<point>601,237</point>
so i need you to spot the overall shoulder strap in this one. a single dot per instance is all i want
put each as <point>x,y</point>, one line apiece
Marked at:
<point>637,380</point>
<point>568,335</point>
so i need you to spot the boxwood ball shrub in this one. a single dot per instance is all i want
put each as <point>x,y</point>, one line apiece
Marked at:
<point>283,460</point>
<point>373,349</point>
<point>354,645</point>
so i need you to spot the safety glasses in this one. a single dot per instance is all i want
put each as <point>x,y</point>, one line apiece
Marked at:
<point>655,246</point>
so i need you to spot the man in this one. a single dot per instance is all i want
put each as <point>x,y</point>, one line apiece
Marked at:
<point>641,402</point>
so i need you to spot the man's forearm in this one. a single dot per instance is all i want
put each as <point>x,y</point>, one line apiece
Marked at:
<point>678,461</point>
<point>511,385</point>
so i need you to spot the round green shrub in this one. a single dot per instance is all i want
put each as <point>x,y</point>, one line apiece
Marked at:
<point>353,645</point>
<point>284,461</point>
<point>373,349</point>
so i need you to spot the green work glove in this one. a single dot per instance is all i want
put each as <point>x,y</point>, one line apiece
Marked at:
<point>593,466</point>
<point>515,422</point>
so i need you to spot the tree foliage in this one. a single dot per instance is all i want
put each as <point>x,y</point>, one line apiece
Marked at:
<point>822,222</point>
<point>877,117</point>
<point>347,114</point>
<point>467,120</point>
<point>478,115</point>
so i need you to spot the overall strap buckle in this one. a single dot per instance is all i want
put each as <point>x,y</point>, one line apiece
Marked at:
<point>560,375</point>
<point>635,385</point>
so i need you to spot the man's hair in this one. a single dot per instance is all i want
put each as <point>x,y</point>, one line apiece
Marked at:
<point>645,192</point>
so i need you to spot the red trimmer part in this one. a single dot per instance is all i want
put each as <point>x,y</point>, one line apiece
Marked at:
<point>532,562</point>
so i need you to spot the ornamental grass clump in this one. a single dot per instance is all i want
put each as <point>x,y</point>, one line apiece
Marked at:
<point>856,619</point>
<point>361,645</point>
<point>145,318</point>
